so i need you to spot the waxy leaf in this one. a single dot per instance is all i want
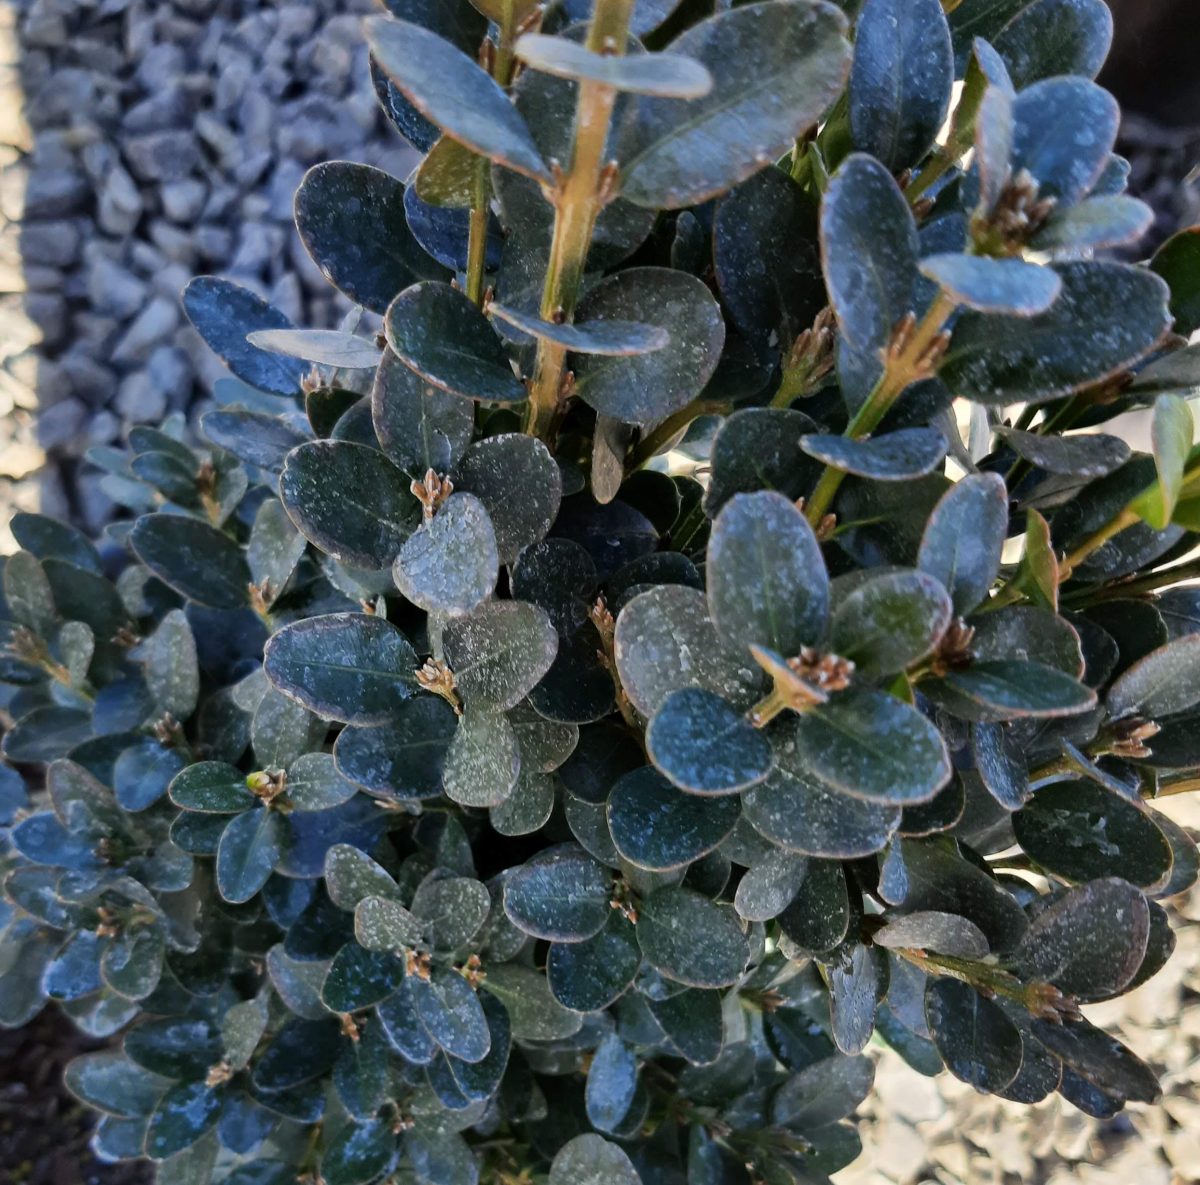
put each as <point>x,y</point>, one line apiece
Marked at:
<point>895,456</point>
<point>977,1041</point>
<point>1079,831</point>
<point>946,933</point>
<point>274,549</point>
<point>684,151</point>
<point>562,896</point>
<point>592,1160</point>
<point>250,846</point>
<point>350,501</point>
<point>224,313</point>
<point>869,251</point>
<point>770,885</point>
<point>440,334</point>
<point>644,388</point>
<point>657,826</point>
<point>872,746</point>
<point>611,1083</point>
<point>419,426</point>
<point>617,338</point>
<point>1107,317</point>
<point>1009,286</point>
<point>1172,429</point>
<point>483,760</point>
<point>182,1116</point>
<point>351,220</point>
<point>323,347</point>
<point>343,666</point>
<point>704,746</point>
<point>212,787</point>
<point>890,621</point>
<point>767,583</point>
<point>1177,261</point>
<point>258,438</point>
<point>359,1153</point>
<point>588,976</point>
<point>664,75</point>
<point>1095,223</point>
<point>403,758</point>
<point>475,111</point>
<point>1084,455</point>
<point>964,536</point>
<point>823,1093</point>
<point>535,1014</point>
<point>1165,681</point>
<point>1099,1059</point>
<point>1006,690</point>
<point>901,79</point>
<point>203,564</point>
<point>449,564</point>
<point>692,939</point>
<point>500,651</point>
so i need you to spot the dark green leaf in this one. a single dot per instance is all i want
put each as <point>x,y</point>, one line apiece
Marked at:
<point>343,666</point>
<point>500,651</point>
<point>869,250</point>
<point>452,908</point>
<point>47,538</point>
<point>198,561</point>
<point>857,985</point>
<point>441,335</point>
<point>1177,261</point>
<point>1006,690</point>
<point>976,1039</point>
<point>823,1093</point>
<point>616,338</point>
<point>1098,222</point>
<point>250,846</point>
<point>350,501</point>
<point>449,564</point>
<point>693,1022</point>
<point>483,761</point>
<point>561,896</point>
<point>475,111</point>
<point>760,448</point>
<point>669,929</point>
<point>901,80</point>
<point>535,1014</point>
<point>114,1085</point>
<point>588,976</point>
<point>818,917</point>
<point>964,536</point>
<point>592,1160</point>
<point>890,621</point>
<point>895,456</point>
<point>403,758</point>
<point>314,783</point>
<point>946,933</point>
<point>1008,286</point>
<point>704,746</point>
<point>686,151</point>
<point>611,1083</point>
<point>646,388</point>
<point>350,218</point>
<point>1099,1059</point>
<point>669,76</point>
<point>1108,316</point>
<point>257,438</point>
<point>181,1117</point>
<point>1084,455</point>
<point>359,1153</point>
<point>351,875</point>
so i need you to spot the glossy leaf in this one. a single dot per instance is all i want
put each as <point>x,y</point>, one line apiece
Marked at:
<point>1176,261</point>
<point>610,337</point>
<point>963,539</point>
<point>246,856</point>
<point>895,456</point>
<point>198,561</point>
<point>669,923</point>
<point>1009,286</point>
<point>483,760</point>
<point>890,621</point>
<point>669,76</point>
<point>1160,684</point>
<point>976,1039</point>
<point>449,564</point>
<point>562,896</point>
<point>592,1160</point>
<point>500,651</point>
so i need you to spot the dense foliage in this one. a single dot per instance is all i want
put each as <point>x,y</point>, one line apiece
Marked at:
<point>451,786</point>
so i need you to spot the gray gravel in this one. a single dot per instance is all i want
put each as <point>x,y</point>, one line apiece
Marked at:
<point>143,142</point>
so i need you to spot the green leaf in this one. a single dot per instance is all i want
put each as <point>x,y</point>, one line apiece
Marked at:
<point>1172,429</point>
<point>359,1153</point>
<point>1038,38</point>
<point>890,621</point>
<point>224,313</point>
<point>693,1022</point>
<point>901,80</point>
<point>1046,119</point>
<point>47,538</point>
<point>657,826</point>
<point>977,1041</point>
<point>1099,1059</point>
<point>869,251</point>
<point>798,811</point>
<point>588,976</point>
<point>664,75</point>
<point>449,564</point>
<point>646,388</point>
<point>1108,316</point>
<point>246,855</point>
<point>817,919</point>
<point>351,875</point>
<point>562,895</point>
<point>1090,942</point>
<point>1094,224</point>
<point>611,337</point>
<point>483,761</point>
<point>112,1084</point>
<point>592,1160</point>
<point>1008,286</point>
<point>873,746</point>
<point>182,1116</point>
<point>419,426</point>
<point>274,549</point>
<point>314,783</point>
<point>1006,690</point>
<point>441,1159</point>
<point>612,1081</point>
<point>825,1092</point>
<point>767,583</point>
<point>28,595</point>
<point>172,670</point>
<point>760,448</point>
<point>520,484</point>
<point>281,729</point>
<point>343,666</point>
<point>895,456</point>
<point>1177,261</point>
<point>350,501</point>
<point>946,933</point>
<point>1078,831</point>
<point>683,152</point>
<point>964,536</point>
<point>769,885</point>
<point>1084,455</point>
<point>499,652</point>
<point>196,560</point>
<point>175,1048</point>
<point>322,347</point>
<point>359,978</point>
<point>535,1014</point>
<point>453,910</point>
<point>475,111</point>
<point>403,758</point>
<point>691,939</point>
<point>449,343</point>
<point>258,438</point>
<point>242,1028</point>
<point>1162,683</point>
<point>350,218</point>
<point>704,746</point>
<point>383,924</point>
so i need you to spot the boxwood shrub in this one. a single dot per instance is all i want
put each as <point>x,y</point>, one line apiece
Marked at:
<point>689,624</point>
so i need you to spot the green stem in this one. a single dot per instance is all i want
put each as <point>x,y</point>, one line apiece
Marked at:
<point>1183,785</point>
<point>654,442</point>
<point>900,371</point>
<point>1152,582</point>
<point>578,199</point>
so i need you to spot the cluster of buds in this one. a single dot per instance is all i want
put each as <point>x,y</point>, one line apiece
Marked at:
<point>622,901</point>
<point>810,357</point>
<point>417,963</point>
<point>1019,213</point>
<point>953,651</point>
<point>1046,1002</point>
<point>431,491</point>
<point>168,731</point>
<point>472,971</point>
<point>267,784</point>
<point>437,677</point>
<point>826,672</point>
<point>1128,737</point>
<point>921,366</point>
